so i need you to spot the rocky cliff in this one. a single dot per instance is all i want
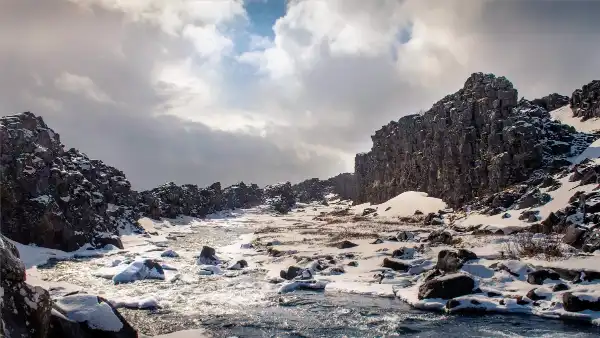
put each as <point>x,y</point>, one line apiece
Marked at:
<point>469,144</point>
<point>54,197</point>
<point>585,102</point>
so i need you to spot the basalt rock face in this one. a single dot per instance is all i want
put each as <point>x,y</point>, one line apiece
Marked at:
<point>474,142</point>
<point>56,198</point>
<point>171,200</point>
<point>242,195</point>
<point>314,189</point>
<point>585,102</point>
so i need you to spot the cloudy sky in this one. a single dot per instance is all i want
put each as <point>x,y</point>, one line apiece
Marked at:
<point>197,91</point>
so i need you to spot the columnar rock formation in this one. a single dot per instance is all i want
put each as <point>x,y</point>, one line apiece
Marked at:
<point>56,198</point>
<point>585,102</point>
<point>471,143</point>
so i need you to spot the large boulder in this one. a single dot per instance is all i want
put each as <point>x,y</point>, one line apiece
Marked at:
<point>88,316</point>
<point>472,143</point>
<point>580,302</point>
<point>57,198</point>
<point>25,308</point>
<point>447,286</point>
<point>452,261</point>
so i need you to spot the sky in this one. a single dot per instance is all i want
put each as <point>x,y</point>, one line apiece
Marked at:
<point>264,91</point>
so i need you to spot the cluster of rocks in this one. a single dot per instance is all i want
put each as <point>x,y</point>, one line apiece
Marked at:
<point>314,189</point>
<point>474,142</point>
<point>585,102</point>
<point>280,197</point>
<point>54,197</point>
<point>29,311</point>
<point>242,195</point>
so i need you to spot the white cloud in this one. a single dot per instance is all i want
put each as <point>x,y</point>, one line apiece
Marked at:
<point>82,85</point>
<point>209,42</point>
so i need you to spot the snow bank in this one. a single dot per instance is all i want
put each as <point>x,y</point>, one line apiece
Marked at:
<point>565,116</point>
<point>405,204</point>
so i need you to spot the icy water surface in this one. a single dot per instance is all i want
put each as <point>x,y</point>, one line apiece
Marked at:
<point>247,306</point>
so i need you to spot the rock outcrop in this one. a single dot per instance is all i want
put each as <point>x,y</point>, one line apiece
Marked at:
<point>25,309</point>
<point>171,200</point>
<point>474,142</point>
<point>58,198</point>
<point>280,197</point>
<point>314,189</point>
<point>242,195</point>
<point>552,101</point>
<point>585,102</point>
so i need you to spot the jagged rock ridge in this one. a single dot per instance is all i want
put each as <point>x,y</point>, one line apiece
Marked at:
<point>469,144</point>
<point>56,198</point>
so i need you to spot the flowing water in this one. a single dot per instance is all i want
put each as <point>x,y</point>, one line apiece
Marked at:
<point>247,306</point>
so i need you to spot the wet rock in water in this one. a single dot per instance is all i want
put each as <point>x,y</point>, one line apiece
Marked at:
<point>291,273</point>
<point>560,287</point>
<point>580,302</point>
<point>506,215</point>
<point>88,316</point>
<point>574,236</point>
<point>534,296</point>
<point>452,261</point>
<point>238,265</point>
<point>208,256</point>
<point>447,287</point>
<point>368,211</point>
<point>440,237</point>
<point>345,245</point>
<point>395,264</point>
<point>405,236</point>
<point>353,263</point>
<point>539,276</point>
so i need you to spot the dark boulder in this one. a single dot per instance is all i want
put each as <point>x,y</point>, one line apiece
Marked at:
<point>395,264</point>
<point>440,237</point>
<point>574,236</point>
<point>585,102</point>
<point>572,303</point>
<point>208,256</point>
<point>280,197</point>
<point>345,245</point>
<point>539,276</point>
<point>560,287</point>
<point>534,296</point>
<point>447,287</point>
<point>404,236</point>
<point>452,261</point>
<point>533,198</point>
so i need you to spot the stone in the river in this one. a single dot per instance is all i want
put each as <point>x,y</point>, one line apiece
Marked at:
<point>404,253</point>
<point>395,264</point>
<point>169,253</point>
<point>377,241</point>
<point>573,303</point>
<point>238,265</point>
<point>447,287</point>
<point>208,256</point>
<point>291,273</point>
<point>538,277</point>
<point>345,245</point>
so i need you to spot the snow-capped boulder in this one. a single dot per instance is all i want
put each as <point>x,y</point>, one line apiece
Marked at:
<point>139,269</point>
<point>452,261</point>
<point>54,197</point>
<point>208,256</point>
<point>88,316</point>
